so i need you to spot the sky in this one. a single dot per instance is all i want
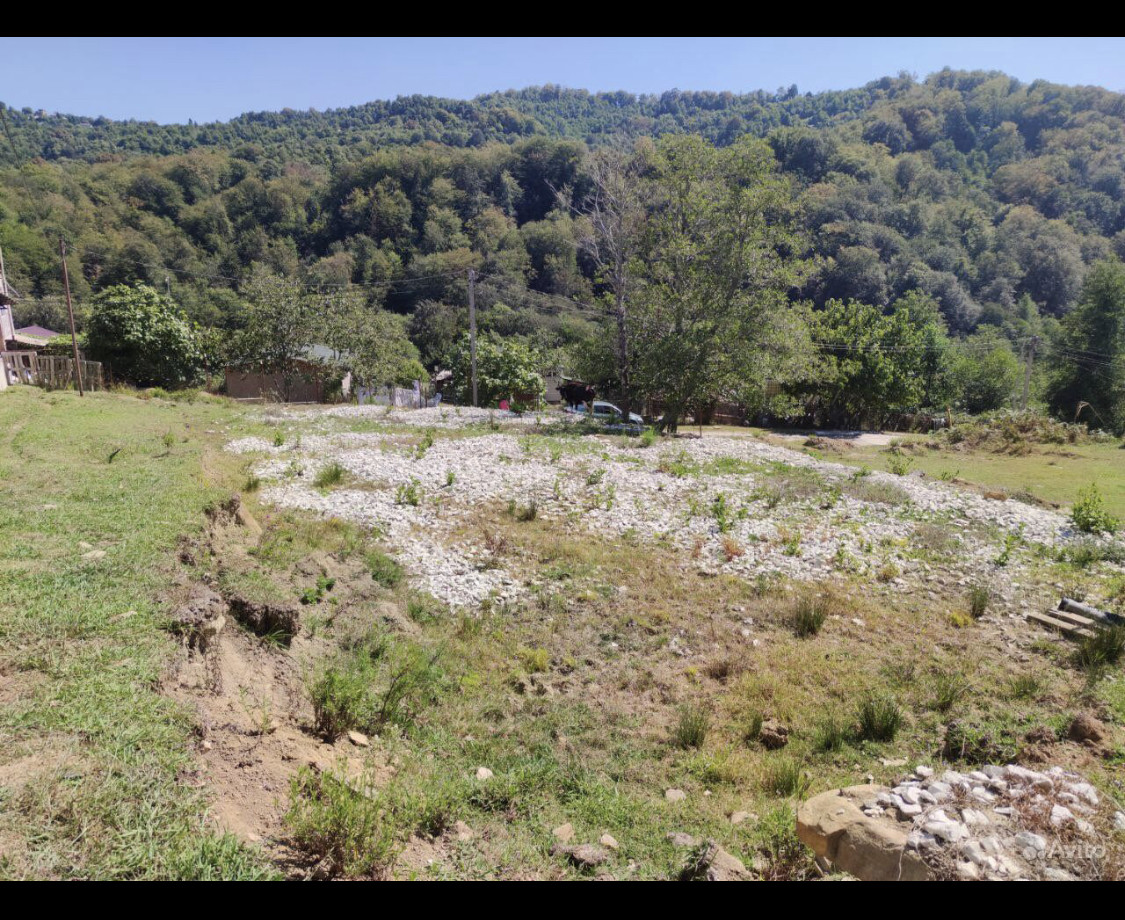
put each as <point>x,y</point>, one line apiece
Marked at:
<point>214,79</point>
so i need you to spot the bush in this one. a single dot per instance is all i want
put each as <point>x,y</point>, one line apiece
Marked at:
<point>879,717</point>
<point>141,335</point>
<point>949,687</point>
<point>690,730</point>
<point>409,493</point>
<point>330,821</point>
<point>384,569</point>
<point>809,613</point>
<point>1089,514</point>
<point>831,734</point>
<point>782,855</point>
<point>1101,649</point>
<point>785,777</point>
<point>375,683</point>
<point>979,598</point>
<point>534,660</point>
<point>341,696</point>
<point>330,475</point>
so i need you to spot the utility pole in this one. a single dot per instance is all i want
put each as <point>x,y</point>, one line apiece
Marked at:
<point>70,311</point>
<point>473,330</point>
<point>1029,354</point>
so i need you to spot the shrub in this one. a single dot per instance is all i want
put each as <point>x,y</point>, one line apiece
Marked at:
<point>898,464</point>
<point>809,613</point>
<point>425,444</point>
<point>783,856</point>
<point>648,438</point>
<point>341,695</point>
<point>786,777</point>
<point>1086,551</point>
<point>879,717</point>
<point>534,660</point>
<point>732,549</point>
<point>143,338</point>
<point>1101,649</point>
<point>409,493</point>
<point>1026,687</point>
<point>979,598</point>
<point>830,734</point>
<point>384,569</point>
<point>752,730</point>
<point>523,513</point>
<point>1089,514</point>
<point>330,475</point>
<point>877,491</point>
<point>949,687</point>
<point>331,821</point>
<point>690,730</point>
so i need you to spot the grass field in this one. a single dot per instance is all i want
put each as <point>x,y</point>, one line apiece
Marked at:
<point>1051,472</point>
<point>624,672</point>
<point>94,494</point>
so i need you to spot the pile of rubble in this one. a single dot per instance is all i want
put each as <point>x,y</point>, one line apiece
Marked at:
<point>996,823</point>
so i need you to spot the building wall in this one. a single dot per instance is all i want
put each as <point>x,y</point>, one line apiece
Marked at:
<point>306,387</point>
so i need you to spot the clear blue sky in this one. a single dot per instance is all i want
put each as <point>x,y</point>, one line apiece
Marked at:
<point>172,80</point>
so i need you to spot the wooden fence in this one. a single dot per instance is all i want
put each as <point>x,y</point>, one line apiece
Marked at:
<point>49,372</point>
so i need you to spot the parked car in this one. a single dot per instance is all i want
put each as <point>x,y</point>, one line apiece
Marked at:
<point>607,412</point>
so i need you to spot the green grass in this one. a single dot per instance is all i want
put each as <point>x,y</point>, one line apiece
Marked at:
<point>1050,472</point>
<point>80,637</point>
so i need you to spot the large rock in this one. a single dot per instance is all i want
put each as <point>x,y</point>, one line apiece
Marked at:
<point>835,828</point>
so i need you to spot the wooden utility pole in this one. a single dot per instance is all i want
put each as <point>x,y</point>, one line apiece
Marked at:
<point>70,312</point>
<point>473,330</point>
<point>1029,354</point>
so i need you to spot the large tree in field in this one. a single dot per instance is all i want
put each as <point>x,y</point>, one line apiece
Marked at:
<point>719,256</point>
<point>1089,356</point>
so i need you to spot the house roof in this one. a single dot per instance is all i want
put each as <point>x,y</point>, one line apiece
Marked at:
<point>38,332</point>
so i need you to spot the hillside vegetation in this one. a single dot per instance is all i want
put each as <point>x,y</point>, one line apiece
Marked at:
<point>990,198</point>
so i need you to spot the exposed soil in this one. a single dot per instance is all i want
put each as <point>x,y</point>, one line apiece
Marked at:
<point>247,692</point>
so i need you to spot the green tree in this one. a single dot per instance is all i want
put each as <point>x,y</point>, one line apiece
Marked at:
<point>874,363</point>
<point>985,373</point>
<point>712,319</point>
<point>506,369</point>
<point>143,338</point>
<point>1089,356</point>
<point>371,342</point>
<point>283,322</point>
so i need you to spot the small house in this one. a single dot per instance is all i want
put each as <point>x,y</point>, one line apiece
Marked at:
<point>313,378</point>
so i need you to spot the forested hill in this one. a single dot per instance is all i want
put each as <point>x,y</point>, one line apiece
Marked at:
<point>990,195</point>
<point>964,108</point>
<point>345,134</point>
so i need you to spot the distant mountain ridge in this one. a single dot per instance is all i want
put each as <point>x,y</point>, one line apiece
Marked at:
<point>991,195</point>
<point>499,117</point>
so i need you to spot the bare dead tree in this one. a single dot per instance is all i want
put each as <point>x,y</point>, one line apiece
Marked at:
<point>613,217</point>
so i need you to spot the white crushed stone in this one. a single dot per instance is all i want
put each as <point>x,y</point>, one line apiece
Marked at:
<point>611,490</point>
<point>951,826</point>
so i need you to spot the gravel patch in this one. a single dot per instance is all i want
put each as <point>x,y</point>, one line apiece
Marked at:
<point>747,522</point>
